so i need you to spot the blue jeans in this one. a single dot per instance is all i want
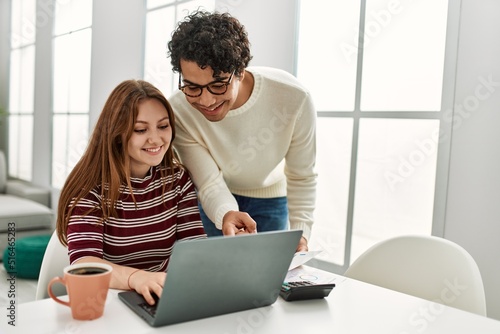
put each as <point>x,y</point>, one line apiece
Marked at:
<point>270,214</point>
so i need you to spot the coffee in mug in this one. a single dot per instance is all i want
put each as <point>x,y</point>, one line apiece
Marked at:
<point>87,271</point>
<point>87,285</point>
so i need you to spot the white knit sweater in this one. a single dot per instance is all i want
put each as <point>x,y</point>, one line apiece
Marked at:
<point>265,148</point>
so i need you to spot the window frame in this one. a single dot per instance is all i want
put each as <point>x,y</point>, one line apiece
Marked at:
<point>72,151</point>
<point>445,129</point>
<point>15,158</point>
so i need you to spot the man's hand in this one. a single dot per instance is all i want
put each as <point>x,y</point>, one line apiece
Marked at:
<point>237,222</point>
<point>302,247</point>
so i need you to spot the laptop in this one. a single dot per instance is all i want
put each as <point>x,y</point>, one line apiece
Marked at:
<point>219,275</point>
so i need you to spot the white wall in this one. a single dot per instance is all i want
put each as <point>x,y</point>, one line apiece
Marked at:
<point>473,206</point>
<point>42,141</point>
<point>117,48</point>
<point>271,27</point>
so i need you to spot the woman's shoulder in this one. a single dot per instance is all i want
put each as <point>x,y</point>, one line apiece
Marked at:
<point>177,172</point>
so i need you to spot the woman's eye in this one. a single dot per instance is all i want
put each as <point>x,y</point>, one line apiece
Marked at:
<point>140,130</point>
<point>163,127</point>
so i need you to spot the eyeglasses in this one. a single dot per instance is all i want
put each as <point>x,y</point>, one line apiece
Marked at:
<point>216,87</point>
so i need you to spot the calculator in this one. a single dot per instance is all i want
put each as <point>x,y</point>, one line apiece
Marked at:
<point>302,290</point>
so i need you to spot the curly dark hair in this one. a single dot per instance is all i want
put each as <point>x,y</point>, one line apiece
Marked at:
<point>214,39</point>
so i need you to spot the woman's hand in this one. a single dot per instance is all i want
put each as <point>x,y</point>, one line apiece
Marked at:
<point>147,283</point>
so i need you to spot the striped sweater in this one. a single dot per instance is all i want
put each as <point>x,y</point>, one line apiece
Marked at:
<point>143,236</point>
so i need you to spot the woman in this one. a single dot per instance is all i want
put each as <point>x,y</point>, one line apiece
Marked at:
<point>128,199</point>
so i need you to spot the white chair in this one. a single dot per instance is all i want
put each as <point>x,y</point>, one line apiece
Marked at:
<point>54,260</point>
<point>428,267</point>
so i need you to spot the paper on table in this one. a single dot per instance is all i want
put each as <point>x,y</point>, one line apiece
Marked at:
<point>317,276</point>
<point>302,257</point>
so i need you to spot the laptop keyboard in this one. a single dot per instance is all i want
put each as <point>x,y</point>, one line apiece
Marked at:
<point>151,309</point>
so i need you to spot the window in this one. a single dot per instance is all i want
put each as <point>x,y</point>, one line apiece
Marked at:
<point>21,88</point>
<point>377,81</point>
<point>161,20</point>
<point>71,85</point>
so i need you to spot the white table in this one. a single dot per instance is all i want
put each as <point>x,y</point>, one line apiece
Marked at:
<point>351,307</point>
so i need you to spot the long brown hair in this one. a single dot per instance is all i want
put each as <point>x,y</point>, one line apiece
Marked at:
<point>106,162</point>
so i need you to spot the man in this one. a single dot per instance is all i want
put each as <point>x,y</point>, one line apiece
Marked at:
<point>247,135</point>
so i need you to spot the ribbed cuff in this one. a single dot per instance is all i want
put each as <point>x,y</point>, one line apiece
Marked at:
<point>219,216</point>
<point>305,227</point>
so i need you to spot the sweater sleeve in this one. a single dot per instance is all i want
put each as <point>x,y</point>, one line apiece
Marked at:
<point>85,229</point>
<point>213,192</point>
<point>300,170</point>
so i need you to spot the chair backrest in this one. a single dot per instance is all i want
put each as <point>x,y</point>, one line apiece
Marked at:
<point>54,260</point>
<point>428,267</point>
